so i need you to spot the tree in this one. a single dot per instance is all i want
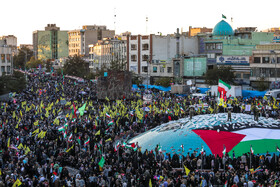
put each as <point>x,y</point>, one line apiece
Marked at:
<point>165,82</point>
<point>12,83</point>
<point>76,66</point>
<point>32,63</point>
<point>262,84</point>
<point>48,65</point>
<point>19,59</point>
<point>224,73</point>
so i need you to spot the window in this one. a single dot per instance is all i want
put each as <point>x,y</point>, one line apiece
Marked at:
<point>154,69</point>
<point>2,69</point>
<point>8,56</point>
<point>145,57</point>
<point>238,75</point>
<point>133,47</point>
<point>169,69</point>
<point>8,69</point>
<point>145,47</point>
<point>278,60</point>
<point>3,57</point>
<point>210,55</point>
<point>133,58</point>
<point>145,69</point>
<point>246,76</point>
<point>161,69</point>
<point>265,60</point>
<point>257,60</point>
<point>219,46</point>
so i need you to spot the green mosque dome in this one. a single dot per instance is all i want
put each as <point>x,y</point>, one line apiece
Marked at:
<point>223,29</point>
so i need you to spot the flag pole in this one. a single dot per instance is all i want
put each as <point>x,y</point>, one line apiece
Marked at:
<point>202,159</point>
<point>250,157</point>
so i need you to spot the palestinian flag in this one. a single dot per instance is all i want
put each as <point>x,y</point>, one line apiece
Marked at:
<point>131,146</point>
<point>64,134</point>
<point>223,88</point>
<point>61,129</point>
<point>111,123</point>
<point>87,141</point>
<point>131,113</point>
<point>79,140</point>
<point>240,136</point>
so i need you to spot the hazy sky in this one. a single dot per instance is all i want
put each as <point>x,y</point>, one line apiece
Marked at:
<point>21,18</point>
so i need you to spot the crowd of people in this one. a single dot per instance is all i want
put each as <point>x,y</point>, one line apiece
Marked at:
<point>57,133</point>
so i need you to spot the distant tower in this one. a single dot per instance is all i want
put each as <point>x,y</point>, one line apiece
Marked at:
<point>177,43</point>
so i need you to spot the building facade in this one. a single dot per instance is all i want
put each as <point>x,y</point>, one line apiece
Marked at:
<point>108,53</point>
<point>52,43</point>
<point>151,56</point>
<point>226,47</point>
<point>79,40</point>
<point>265,65</point>
<point>5,58</point>
<point>198,30</point>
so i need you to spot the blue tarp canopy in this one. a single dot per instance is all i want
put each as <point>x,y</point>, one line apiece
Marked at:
<point>251,93</point>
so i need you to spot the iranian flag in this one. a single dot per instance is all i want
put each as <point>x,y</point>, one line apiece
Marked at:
<point>107,115</point>
<point>70,138</point>
<point>277,149</point>
<point>61,129</point>
<point>111,123</point>
<point>87,141</point>
<point>224,150</point>
<point>182,146</point>
<point>202,150</point>
<point>116,147</point>
<point>251,149</point>
<point>74,110</point>
<point>223,88</point>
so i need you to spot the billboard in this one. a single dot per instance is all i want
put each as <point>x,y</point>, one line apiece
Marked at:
<point>233,60</point>
<point>195,66</point>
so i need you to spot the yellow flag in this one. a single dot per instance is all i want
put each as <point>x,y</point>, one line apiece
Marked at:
<point>14,114</point>
<point>187,170</point>
<point>36,123</point>
<point>108,140</point>
<point>56,102</point>
<point>20,113</point>
<point>36,131</point>
<point>56,121</point>
<point>67,115</point>
<point>17,183</point>
<point>98,133</point>
<point>27,150</point>
<point>150,183</point>
<point>8,144</point>
<point>20,146</point>
<point>69,148</point>
<point>0,172</point>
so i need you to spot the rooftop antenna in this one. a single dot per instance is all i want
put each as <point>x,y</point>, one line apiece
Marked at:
<point>147,19</point>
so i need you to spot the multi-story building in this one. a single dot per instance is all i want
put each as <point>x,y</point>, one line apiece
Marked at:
<point>5,58</point>
<point>151,56</point>
<point>79,40</point>
<point>52,43</point>
<point>108,53</point>
<point>265,65</point>
<point>233,48</point>
<point>198,30</point>
<point>276,32</point>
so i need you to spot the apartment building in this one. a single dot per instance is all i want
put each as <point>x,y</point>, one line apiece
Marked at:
<point>80,39</point>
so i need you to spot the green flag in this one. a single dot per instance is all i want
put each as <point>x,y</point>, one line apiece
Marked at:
<point>223,16</point>
<point>101,162</point>
<point>82,109</point>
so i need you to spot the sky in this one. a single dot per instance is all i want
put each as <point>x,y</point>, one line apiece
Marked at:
<point>21,18</point>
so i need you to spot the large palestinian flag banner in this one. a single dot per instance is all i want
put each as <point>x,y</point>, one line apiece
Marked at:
<point>263,136</point>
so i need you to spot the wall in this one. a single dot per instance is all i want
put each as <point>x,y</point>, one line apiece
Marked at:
<point>199,64</point>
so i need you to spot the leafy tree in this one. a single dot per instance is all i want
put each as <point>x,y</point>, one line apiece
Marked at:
<point>48,65</point>
<point>224,73</point>
<point>20,58</point>
<point>262,84</point>
<point>136,79</point>
<point>165,82</point>
<point>12,83</point>
<point>33,63</point>
<point>76,66</point>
